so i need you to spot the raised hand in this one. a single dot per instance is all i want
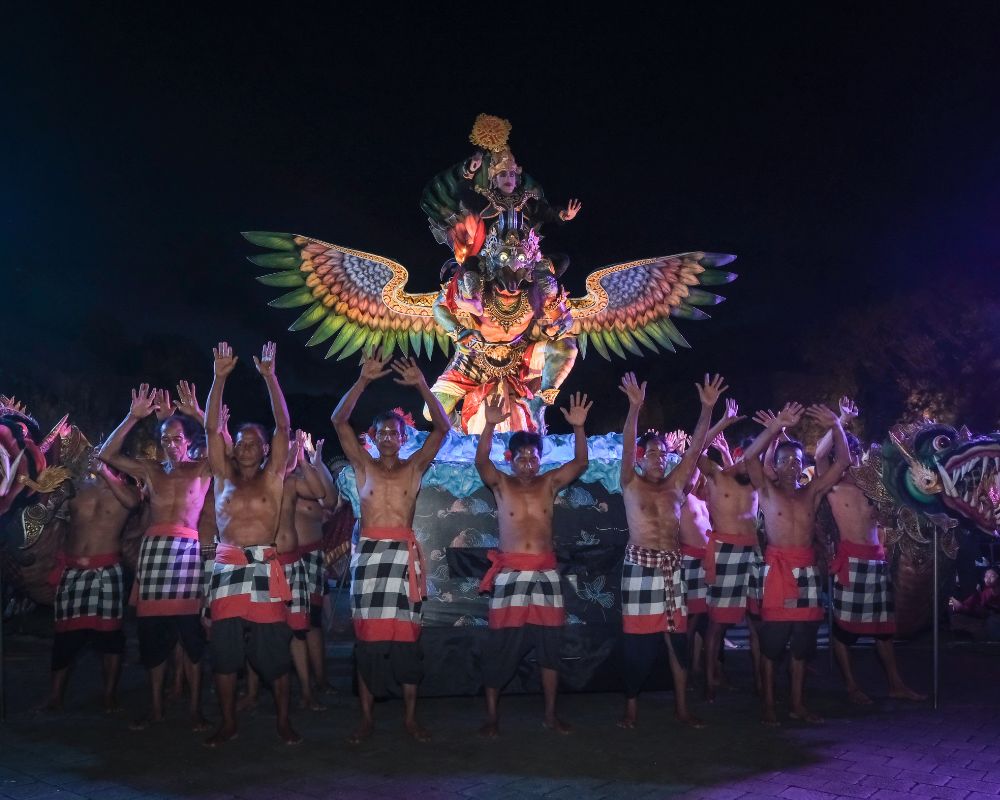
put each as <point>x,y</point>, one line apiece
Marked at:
<point>225,361</point>
<point>677,441</point>
<point>579,407</point>
<point>823,415</point>
<point>142,402</point>
<point>732,408</point>
<point>848,409</point>
<point>719,443</point>
<point>633,390</point>
<point>317,454</point>
<point>408,371</point>
<point>493,410</point>
<point>710,391</point>
<point>224,418</point>
<point>187,400</point>
<point>162,405</point>
<point>300,441</point>
<point>790,415</point>
<point>373,366</point>
<point>572,209</point>
<point>265,365</point>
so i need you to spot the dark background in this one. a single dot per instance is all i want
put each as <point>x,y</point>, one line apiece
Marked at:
<point>847,153</point>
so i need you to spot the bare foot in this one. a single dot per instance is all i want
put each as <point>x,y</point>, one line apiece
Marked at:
<point>491,730</point>
<point>904,692</point>
<point>145,722</point>
<point>110,705</point>
<point>221,736</point>
<point>770,719</point>
<point>325,688</point>
<point>557,725</point>
<point>710,692</point>
<point>288,734</point>
<point>364,731</point>
<point>199,724</point>
<point>627,722</point>
<point>418,732</point>
<point>246,703</point>
<point>858,697</point>
<point>805,715</point>
<point>311,704</point>
<point>51,705</point>
<point>691,720</point>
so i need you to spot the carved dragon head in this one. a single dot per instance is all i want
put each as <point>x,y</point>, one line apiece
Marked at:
<point>936,469</point>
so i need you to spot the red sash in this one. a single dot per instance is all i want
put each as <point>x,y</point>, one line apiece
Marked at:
<point>693,552</point>
<point>520,562</point>
<point>169,529</point>
<point>780,584</point>
<point>64,562</point>
<point>847,550</point>
<point>234,556</point>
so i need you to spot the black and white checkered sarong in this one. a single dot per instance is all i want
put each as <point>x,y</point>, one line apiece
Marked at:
<point>312,561</point>
<point>170,569</point>
<point>90,598</point>
<point>381,581</point>
<point>865,604</point>
<point>648,594</point>
<point>738,584</point>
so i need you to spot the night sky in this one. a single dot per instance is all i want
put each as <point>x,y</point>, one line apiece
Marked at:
<point>847,153</point>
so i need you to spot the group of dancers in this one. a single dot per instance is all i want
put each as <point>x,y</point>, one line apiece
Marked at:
<point>693,555</point>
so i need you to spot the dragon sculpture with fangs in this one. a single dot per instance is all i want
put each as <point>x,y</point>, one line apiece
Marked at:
<point>928,475</point>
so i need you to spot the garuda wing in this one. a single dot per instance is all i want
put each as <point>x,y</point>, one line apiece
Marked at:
<point>631,304</point>
<point>359,298</point>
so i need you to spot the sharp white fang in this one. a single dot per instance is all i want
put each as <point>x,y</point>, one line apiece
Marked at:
<point>949,484</point>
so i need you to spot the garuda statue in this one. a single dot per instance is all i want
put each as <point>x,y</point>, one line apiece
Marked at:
<point>513,327</point>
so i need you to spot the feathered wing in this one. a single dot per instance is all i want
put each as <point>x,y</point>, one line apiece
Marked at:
<point>631,304</point>
<point>356,297</point>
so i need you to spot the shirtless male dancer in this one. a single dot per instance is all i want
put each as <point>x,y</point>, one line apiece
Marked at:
<point>169,577</point>
<point>387,572</point>
<point>249,591</point>
<point>653,604</point>
<point>862,590</point>
<point>790,608</point>
<point>90,596</point>
<point>526,605</point>
<point>733,562</point>
<point>300,530</point>
<point>695,528</point>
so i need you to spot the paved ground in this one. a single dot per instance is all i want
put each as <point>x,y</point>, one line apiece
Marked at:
<point>888,750</point>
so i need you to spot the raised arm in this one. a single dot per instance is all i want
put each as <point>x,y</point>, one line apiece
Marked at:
<point>224,363</point>
<point>330,494</point>
<point>125,493</point>
<point>709,393</point>
<point>373,368</point>
<point>143,404</point>
<point>848,411</point>
<point>636,394</point>
<point>310,486</point>
<point>773,424</point>
<point>277,459</point>
<point>410,375</point>
<point>576,415</point>
<point>821,484</point>
<point>494,415</point>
